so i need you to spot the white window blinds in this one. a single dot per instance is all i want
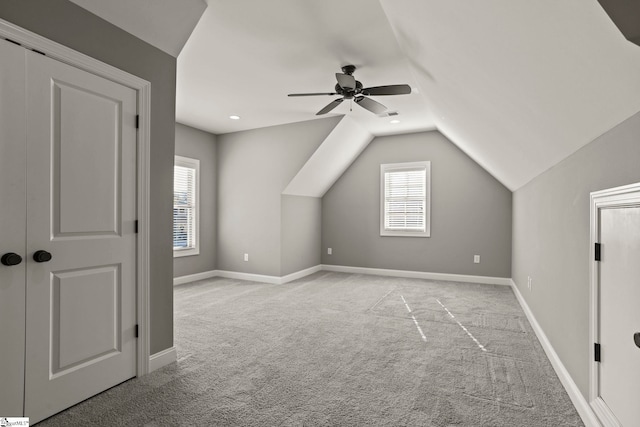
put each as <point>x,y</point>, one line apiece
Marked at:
<point>185,212</point>
<point>405,204</point>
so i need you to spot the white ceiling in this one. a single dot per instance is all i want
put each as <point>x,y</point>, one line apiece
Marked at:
<point>517,84</point>
<point>339,149</point>
<point>245,56</point>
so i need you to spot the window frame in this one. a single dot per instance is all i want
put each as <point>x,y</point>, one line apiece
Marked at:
<point>396,167</point>
<point>188,162</point>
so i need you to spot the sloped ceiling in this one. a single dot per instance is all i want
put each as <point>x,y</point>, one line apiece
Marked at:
<point>165,24</point>
<point>245,56</point>
<point>517,84</point>
<point>341,147</point>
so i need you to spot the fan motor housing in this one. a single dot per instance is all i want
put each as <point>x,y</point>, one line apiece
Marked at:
<point>348,94</point>
<point>348,69</point>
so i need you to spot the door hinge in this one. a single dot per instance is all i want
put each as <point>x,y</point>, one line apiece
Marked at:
<point>136,331</point>
<point>597,252</point>
<point>137,121</point>
<point>596,352</point>
<point>135,226</point>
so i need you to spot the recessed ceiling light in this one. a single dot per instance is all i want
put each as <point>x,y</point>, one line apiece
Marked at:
<point>234,117</point>
<point>394,121</point>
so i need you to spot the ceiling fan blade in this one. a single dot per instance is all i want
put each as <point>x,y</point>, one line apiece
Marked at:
<point>333,104</point>
<point>387,90</point>
<point>346,81</point>
<point>311,94</point>
<point>369,104</point>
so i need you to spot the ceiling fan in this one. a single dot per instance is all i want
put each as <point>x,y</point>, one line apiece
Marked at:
<point>350,88</point>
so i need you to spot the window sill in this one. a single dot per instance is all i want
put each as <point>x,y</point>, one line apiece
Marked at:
<point>178,253</point>
<point>404,234</point>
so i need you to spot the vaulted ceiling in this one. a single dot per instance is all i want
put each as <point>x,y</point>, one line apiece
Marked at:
<point>518,85</point>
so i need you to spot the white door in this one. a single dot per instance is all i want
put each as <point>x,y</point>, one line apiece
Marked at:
<point>81,194</point>
<point>619,382</point>
<point>12,226</point>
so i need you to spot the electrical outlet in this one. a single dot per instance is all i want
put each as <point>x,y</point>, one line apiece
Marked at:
<point>329,251</point>
<point>476,259</point>
<point>246,257</point>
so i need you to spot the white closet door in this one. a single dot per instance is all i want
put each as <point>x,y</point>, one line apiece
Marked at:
<point>81,187</point>
<point>619,314</point>
<point>12,226</point>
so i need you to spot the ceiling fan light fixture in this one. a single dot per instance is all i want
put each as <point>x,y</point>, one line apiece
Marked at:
<point>234,117</point>
<point>395,121</point>
<point>350,88</point>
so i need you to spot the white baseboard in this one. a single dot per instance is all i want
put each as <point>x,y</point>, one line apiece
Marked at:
<point>505,281</point>
<point>300,274</point>
<point>162,358</point>
<point>589,418</point>
<point>276,280</point>
<point>193,277</point>
<point>249,276</point>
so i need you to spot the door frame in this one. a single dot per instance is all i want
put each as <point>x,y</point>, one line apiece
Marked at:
<point>81,61</point>
<point>618,197</point>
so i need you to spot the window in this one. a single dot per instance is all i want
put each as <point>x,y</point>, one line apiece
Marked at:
<point>405,199</point>
<point>186,188</point>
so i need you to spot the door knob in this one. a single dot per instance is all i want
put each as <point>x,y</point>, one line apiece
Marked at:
<point>10,259</point>
<point>636,338</point>
<point>41,256</point>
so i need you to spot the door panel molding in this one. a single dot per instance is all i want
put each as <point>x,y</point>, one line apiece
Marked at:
<point>84,62</point>
<point>103,299</point>
<point>618,197</point>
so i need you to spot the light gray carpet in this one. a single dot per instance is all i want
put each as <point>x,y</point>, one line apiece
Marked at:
<point>337,349</point>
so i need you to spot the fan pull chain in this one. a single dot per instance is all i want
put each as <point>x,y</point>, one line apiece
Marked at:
<point>351,105</point>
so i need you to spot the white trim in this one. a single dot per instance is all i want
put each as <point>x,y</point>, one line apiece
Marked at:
<point>407,166</point>
<point>180,280</point>
<point>162,358</point>
<point>582,406</point>
<point>246,276</point>
<point>504,281</point>
<point>144,232</point>
<point>624,196</point>
<point>275,280</point>
<point>81,61</point>
<point>300,274</point>
<point>69,56</point>
<point>190,163</point>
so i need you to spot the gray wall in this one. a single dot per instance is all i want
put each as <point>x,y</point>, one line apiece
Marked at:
<point>254,167</point>
<point>72,26</point>
<point>300,233</point>
<point>197,144</point>
<point>551,239</point>
<point>470,213</point>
